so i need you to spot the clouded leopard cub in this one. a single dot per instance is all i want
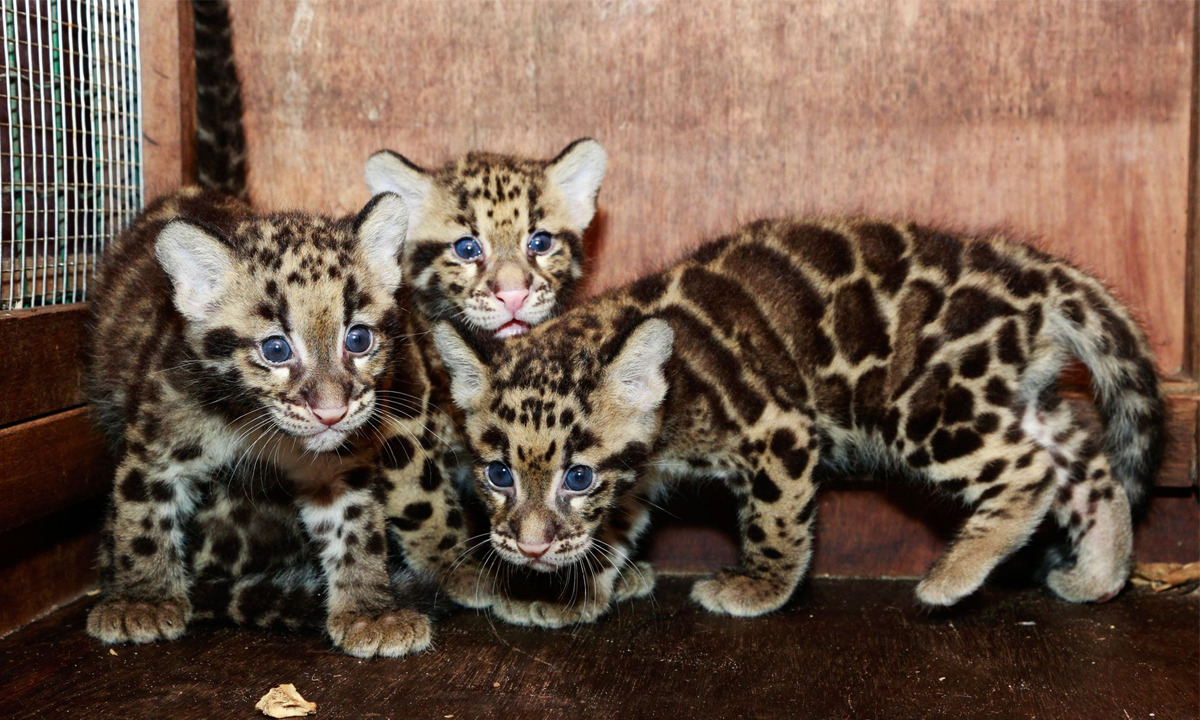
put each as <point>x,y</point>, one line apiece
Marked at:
<point>238,357</point>
<point>291,369</point>
<point>852,343</point>
<point>494,247</point>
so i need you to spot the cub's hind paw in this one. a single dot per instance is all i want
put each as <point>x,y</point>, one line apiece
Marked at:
<point>1074,584</point>
<point>733,593</point>
<point>946,584</point>
<point>538,613</point>
<point>120,620</point>
<point>391,634</point>
<point>636,581</point>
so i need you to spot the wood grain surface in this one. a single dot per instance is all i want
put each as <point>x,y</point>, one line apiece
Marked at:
<point>1062,120</point>
<point>40,372</point>
<point>165,89</point>
<point>841,650</point>
<point>50,464</point>
<point>47,563</point>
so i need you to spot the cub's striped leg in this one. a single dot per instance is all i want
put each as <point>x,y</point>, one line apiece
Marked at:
<point>146,588</point>
<point>1089,504</point>
<point>1011,485</point>
<point>778,511</point>
<point>424,511</point>
<point>346,525</point>
<point>635,579</point>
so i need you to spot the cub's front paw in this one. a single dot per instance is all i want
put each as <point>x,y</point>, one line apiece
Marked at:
<point>543,614</point>
<point>469,585</point>
<point>391,634</point>
<point>635,581</point>
<point>734,593</point>
<point>949,582</point>
<point>120,620</point>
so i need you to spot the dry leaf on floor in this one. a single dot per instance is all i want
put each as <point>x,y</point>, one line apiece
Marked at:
<point>284,702</point>
<point>1164,576</point>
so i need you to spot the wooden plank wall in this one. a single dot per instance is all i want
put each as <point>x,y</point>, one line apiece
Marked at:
<point>1063,120</point>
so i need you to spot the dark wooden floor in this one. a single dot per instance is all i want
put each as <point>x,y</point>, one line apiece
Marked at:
<point>843,649</point>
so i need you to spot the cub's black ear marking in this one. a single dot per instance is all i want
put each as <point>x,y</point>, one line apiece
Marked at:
<point>635,377</point>
<point>387,171</point>
<point>381,228</point>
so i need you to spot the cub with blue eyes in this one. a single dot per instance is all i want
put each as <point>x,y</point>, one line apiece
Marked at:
<point>494,241</point>
<point>238,364</point>
<point>494,247</point>
<point>789,345</point>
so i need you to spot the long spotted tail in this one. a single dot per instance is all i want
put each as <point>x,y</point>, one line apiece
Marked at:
<point>220,137</point>
<point>1096,328</point>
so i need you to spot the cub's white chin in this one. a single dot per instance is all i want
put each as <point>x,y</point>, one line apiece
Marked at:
<point>512,328</point>
<point>324,440</point>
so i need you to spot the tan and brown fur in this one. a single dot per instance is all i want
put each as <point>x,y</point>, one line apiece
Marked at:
<point>197,414</point>
<point>851,343</point>
<point>500,201</point>
<point>252,577</point>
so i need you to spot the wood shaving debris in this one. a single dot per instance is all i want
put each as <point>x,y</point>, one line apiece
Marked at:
<point>1164,576</point>
<point>112,652</point>
<point>284,701</point>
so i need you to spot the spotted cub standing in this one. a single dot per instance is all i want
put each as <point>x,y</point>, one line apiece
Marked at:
<point>237,358</point>
<point>789,344</point>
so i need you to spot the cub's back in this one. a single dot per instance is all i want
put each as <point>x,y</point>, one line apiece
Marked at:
<point>847,318</point>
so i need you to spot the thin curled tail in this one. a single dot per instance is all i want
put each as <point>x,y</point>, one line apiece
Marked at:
<point>220,137</point>
<point>1099,331</point>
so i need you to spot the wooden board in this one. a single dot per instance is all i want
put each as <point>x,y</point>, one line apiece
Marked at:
<point>1062,119</point>
<point>50,464</point>
<point>165,90</point>
<point>47,563</point>
<point>842,649</point>
<point>41,366</point>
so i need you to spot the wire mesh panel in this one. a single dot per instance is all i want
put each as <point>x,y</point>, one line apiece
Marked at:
<point>70,143</point>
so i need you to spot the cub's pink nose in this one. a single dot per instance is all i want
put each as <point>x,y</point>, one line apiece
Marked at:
<point>533,550</point>
<point>513,299</point>
<point>329,416</point>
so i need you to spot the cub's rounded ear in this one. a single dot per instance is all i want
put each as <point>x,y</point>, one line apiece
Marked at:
<point>199,263</point>
<point>577,173</point>
<point>387,171</point>
<point>381,227</point>
<point>636,377</point>
<point>468,372</point>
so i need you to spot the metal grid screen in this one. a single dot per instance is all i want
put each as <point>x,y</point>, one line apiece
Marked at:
<point>70,143</point>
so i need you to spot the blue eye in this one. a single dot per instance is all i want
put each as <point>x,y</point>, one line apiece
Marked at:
<point>499,475</point>
<point>358,339</point>
<point>275,349</point>
<point>540,243</point>
<point>578,478</point>
<point>467,248</point>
